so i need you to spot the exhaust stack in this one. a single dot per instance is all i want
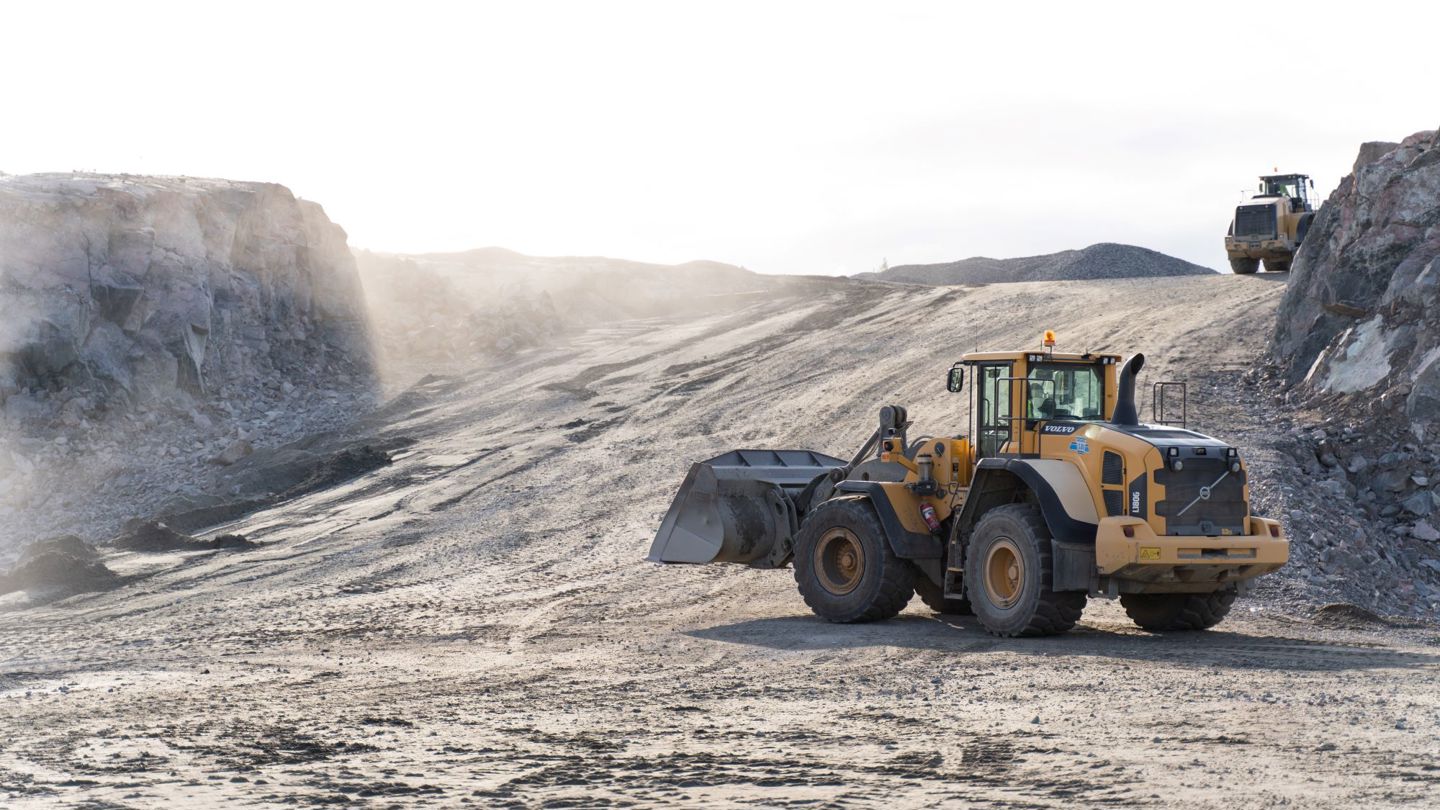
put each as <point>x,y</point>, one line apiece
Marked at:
<point>1125,413</point>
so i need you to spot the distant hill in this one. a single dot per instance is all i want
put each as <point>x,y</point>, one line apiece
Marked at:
<point>532,270</point>
<point>1105,260</point>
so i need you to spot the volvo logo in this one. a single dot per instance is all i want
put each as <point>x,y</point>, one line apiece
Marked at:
<point>1204,493</point>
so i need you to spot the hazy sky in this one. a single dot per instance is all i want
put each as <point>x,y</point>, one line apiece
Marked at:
<point>787,137</point>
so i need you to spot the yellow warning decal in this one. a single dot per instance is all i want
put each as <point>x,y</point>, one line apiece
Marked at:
<point>1149,553</point>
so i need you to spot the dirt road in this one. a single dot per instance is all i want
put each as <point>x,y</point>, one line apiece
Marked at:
<point>474,623</point>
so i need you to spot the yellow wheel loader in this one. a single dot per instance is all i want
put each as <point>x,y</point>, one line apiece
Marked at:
<point>1058,493</point>
<point>1270,226</point>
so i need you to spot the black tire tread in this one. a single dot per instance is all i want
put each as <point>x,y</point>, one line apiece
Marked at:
<point>897,577</point>
<point>1172,612</point>
<point>1244,267</point>
<point>934,598</point>
<point>1056,612</point>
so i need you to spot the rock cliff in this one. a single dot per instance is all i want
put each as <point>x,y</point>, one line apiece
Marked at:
<point>153,330</point>
<point>123,290</point>
<point>1360,323</point>
<point>1357,344</point>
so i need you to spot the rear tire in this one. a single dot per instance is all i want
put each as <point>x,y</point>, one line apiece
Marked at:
<point>934,598</point>
<point>1277,265</point>
<point>1244,267</point>
<point>1169,612</point>
<point>845,567</point>
<point>1009,574</point>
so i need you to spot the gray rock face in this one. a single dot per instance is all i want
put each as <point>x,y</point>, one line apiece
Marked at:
<point>1104,260</point>
<point>1360,317</point>
<point>128,289</point>
<point>1371,151</point>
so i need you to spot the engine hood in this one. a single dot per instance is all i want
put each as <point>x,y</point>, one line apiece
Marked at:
<point>1166,436</point>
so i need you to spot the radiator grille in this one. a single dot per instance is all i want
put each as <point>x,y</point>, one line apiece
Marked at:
<point>1114,502</point>
<point>1222,513</point>
<point>1255,220</point>
<point>1112,469</point>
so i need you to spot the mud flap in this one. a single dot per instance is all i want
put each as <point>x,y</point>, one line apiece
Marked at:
<point>739,507</point>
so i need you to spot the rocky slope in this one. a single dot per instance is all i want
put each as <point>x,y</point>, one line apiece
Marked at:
<point>1104,260</point>
<point>163,320</point>
<point>1360,316</point>
<point>1357,343</point>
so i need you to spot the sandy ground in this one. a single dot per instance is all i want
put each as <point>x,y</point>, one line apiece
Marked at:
<point>475,624</point>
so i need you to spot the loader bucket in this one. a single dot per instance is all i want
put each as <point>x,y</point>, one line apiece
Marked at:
<point>739,507</point>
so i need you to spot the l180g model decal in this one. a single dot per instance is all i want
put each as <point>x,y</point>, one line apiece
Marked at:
<point>1139,494</point>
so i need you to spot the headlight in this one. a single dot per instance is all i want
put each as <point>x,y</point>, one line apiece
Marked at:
<point>1177,465</point>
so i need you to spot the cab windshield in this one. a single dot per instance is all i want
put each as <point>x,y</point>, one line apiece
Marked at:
<point>1066,391</point>
<point>1279,188</point>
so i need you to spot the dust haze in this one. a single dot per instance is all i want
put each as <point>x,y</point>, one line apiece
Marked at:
<point>441,311</point>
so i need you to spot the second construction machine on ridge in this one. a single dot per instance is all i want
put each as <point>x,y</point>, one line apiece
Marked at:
<point>1270,226</point>
<point>1057,494</point>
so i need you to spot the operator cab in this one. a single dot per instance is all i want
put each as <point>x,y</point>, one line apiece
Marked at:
<point>1294,187</point>
<point>1018,397</point>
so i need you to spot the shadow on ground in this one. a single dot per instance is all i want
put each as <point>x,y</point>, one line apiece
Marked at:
<point>963,635</point>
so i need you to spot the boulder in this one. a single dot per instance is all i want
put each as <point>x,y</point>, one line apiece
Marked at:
<point>1420,504</point>
<point>234,452</point>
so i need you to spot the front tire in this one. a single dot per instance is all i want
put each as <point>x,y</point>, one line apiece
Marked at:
<point>1169,612</point>
<point>1009,575</point>
<point>845,567</point>
<point>1244,267</point>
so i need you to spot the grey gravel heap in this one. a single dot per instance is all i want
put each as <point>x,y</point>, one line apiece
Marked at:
<point>1103,260</point>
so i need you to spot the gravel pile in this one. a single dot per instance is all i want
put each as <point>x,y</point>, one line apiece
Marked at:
<point>1104,260</point>
<point>1362,507</point>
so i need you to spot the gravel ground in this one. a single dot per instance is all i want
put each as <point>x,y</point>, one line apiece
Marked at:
<point>474,623</point>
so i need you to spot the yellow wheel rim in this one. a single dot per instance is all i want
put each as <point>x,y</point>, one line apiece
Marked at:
<point>839,561</point>
<point>1004,573</point>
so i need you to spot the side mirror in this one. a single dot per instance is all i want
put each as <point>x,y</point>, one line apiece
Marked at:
<point>1312,184</point>
<point>1262,186</point>
<point>956,380</point>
